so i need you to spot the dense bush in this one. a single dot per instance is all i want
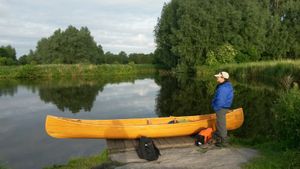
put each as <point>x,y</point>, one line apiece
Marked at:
<point>7,55</point>
<point>223,54</point>
<point>7,61</point>
<point>287,117</point>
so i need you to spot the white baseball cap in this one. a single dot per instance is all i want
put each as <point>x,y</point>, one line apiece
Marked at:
<point>225,75</point>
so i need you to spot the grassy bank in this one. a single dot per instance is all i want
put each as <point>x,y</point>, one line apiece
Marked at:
<point>3,167</point>
<point>96,161</point>
<point>265,70</point>
<point>272,155</point>
<point>279,146</point>
<point>71,71</point>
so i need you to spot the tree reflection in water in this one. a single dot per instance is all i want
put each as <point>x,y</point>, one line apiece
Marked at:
<point>180,96</point>
<point>67,94</point>
<point>74,98</point>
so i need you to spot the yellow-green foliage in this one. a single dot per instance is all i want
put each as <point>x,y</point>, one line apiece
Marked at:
<point>84,163</point>
<point>287,117</point>
<point>3,166</point>
<point>71,71</point>
<point>221,55</point>
<point>272,158</point>
<point>272,70</point>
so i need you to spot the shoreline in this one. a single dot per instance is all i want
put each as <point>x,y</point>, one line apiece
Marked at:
<point>190,157</point>
<point>57,71</point>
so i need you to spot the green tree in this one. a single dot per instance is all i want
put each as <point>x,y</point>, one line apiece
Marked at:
<point>7,55</point>
<point>188,32</point>
<point>291,21</point>
<point>28,59</point>
<point>140,58</point>
<point>69,46</point>
<point>122,57</point>
<point>164,35</point>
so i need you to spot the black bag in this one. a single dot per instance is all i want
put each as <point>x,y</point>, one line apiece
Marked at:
<point>147,149</point>
<point>199,140</point>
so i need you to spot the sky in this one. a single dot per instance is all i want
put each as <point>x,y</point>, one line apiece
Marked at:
<point>117,25</point>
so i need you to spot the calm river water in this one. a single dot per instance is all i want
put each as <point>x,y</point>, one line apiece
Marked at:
<point>25,104</point>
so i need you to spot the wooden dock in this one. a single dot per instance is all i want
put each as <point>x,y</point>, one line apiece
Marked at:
<point>124,145</point>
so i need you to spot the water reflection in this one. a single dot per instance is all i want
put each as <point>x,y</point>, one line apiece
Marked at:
<point>24,142</point>
<point>72,95</point>
<point>257,102</point>
<point>73,98</point>
<point>23,138</point>
<point>181,96</point>
<point>8,87</point>
<point>188,96</point>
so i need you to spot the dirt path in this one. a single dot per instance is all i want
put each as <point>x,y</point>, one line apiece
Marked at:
<point>189,158</point>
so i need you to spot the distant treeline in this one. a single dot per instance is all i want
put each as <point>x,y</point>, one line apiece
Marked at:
<point>197,32</point>
<point>8,55</point>
<point>71,46</point>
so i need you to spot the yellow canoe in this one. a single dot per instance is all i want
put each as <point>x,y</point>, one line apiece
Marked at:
<point>60,127</point>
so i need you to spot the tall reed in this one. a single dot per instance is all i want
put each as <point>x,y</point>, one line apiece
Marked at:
<point>72,71</point>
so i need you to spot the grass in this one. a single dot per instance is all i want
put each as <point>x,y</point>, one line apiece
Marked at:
<point>71,71</point>
<point>295,64</point>
<point>3,166</point>
<point>86,163</point>
<point>267,72</point>
<point>273,157</point>
<point>272,154</point>
<point>280,152</point>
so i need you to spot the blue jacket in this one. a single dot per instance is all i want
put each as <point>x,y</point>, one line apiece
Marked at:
<point>223,96</point>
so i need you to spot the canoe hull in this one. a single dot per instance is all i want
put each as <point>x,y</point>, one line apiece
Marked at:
<point>59,127</point>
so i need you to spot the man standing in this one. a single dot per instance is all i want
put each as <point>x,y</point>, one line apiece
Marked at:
<point>221,103</point>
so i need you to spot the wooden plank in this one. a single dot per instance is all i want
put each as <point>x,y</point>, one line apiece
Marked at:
<point>116,145</point>
<point>129,146</point>
<point>187,140</point>
<point>174,142</point>
<point>157,142</point>
<point>112,145</point>
<point>120,144</point>
<point>135,143</point>
<point>162,143</point>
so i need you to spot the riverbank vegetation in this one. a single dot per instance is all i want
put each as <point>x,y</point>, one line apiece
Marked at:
<point>279,145</point>
<point>87,162</point>
<point>72,71</point>
<point>276,133</point>
<point>2,166</point>
<point>272,117</point>
<point>282,72</point>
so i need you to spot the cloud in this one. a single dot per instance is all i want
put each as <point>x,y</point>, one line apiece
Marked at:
<point>134,99</point>
<point>3,9</point>
<point>122,91</point>
<point>118,25</point>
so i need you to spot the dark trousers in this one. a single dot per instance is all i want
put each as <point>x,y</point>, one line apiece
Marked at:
<point>221,131</point>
